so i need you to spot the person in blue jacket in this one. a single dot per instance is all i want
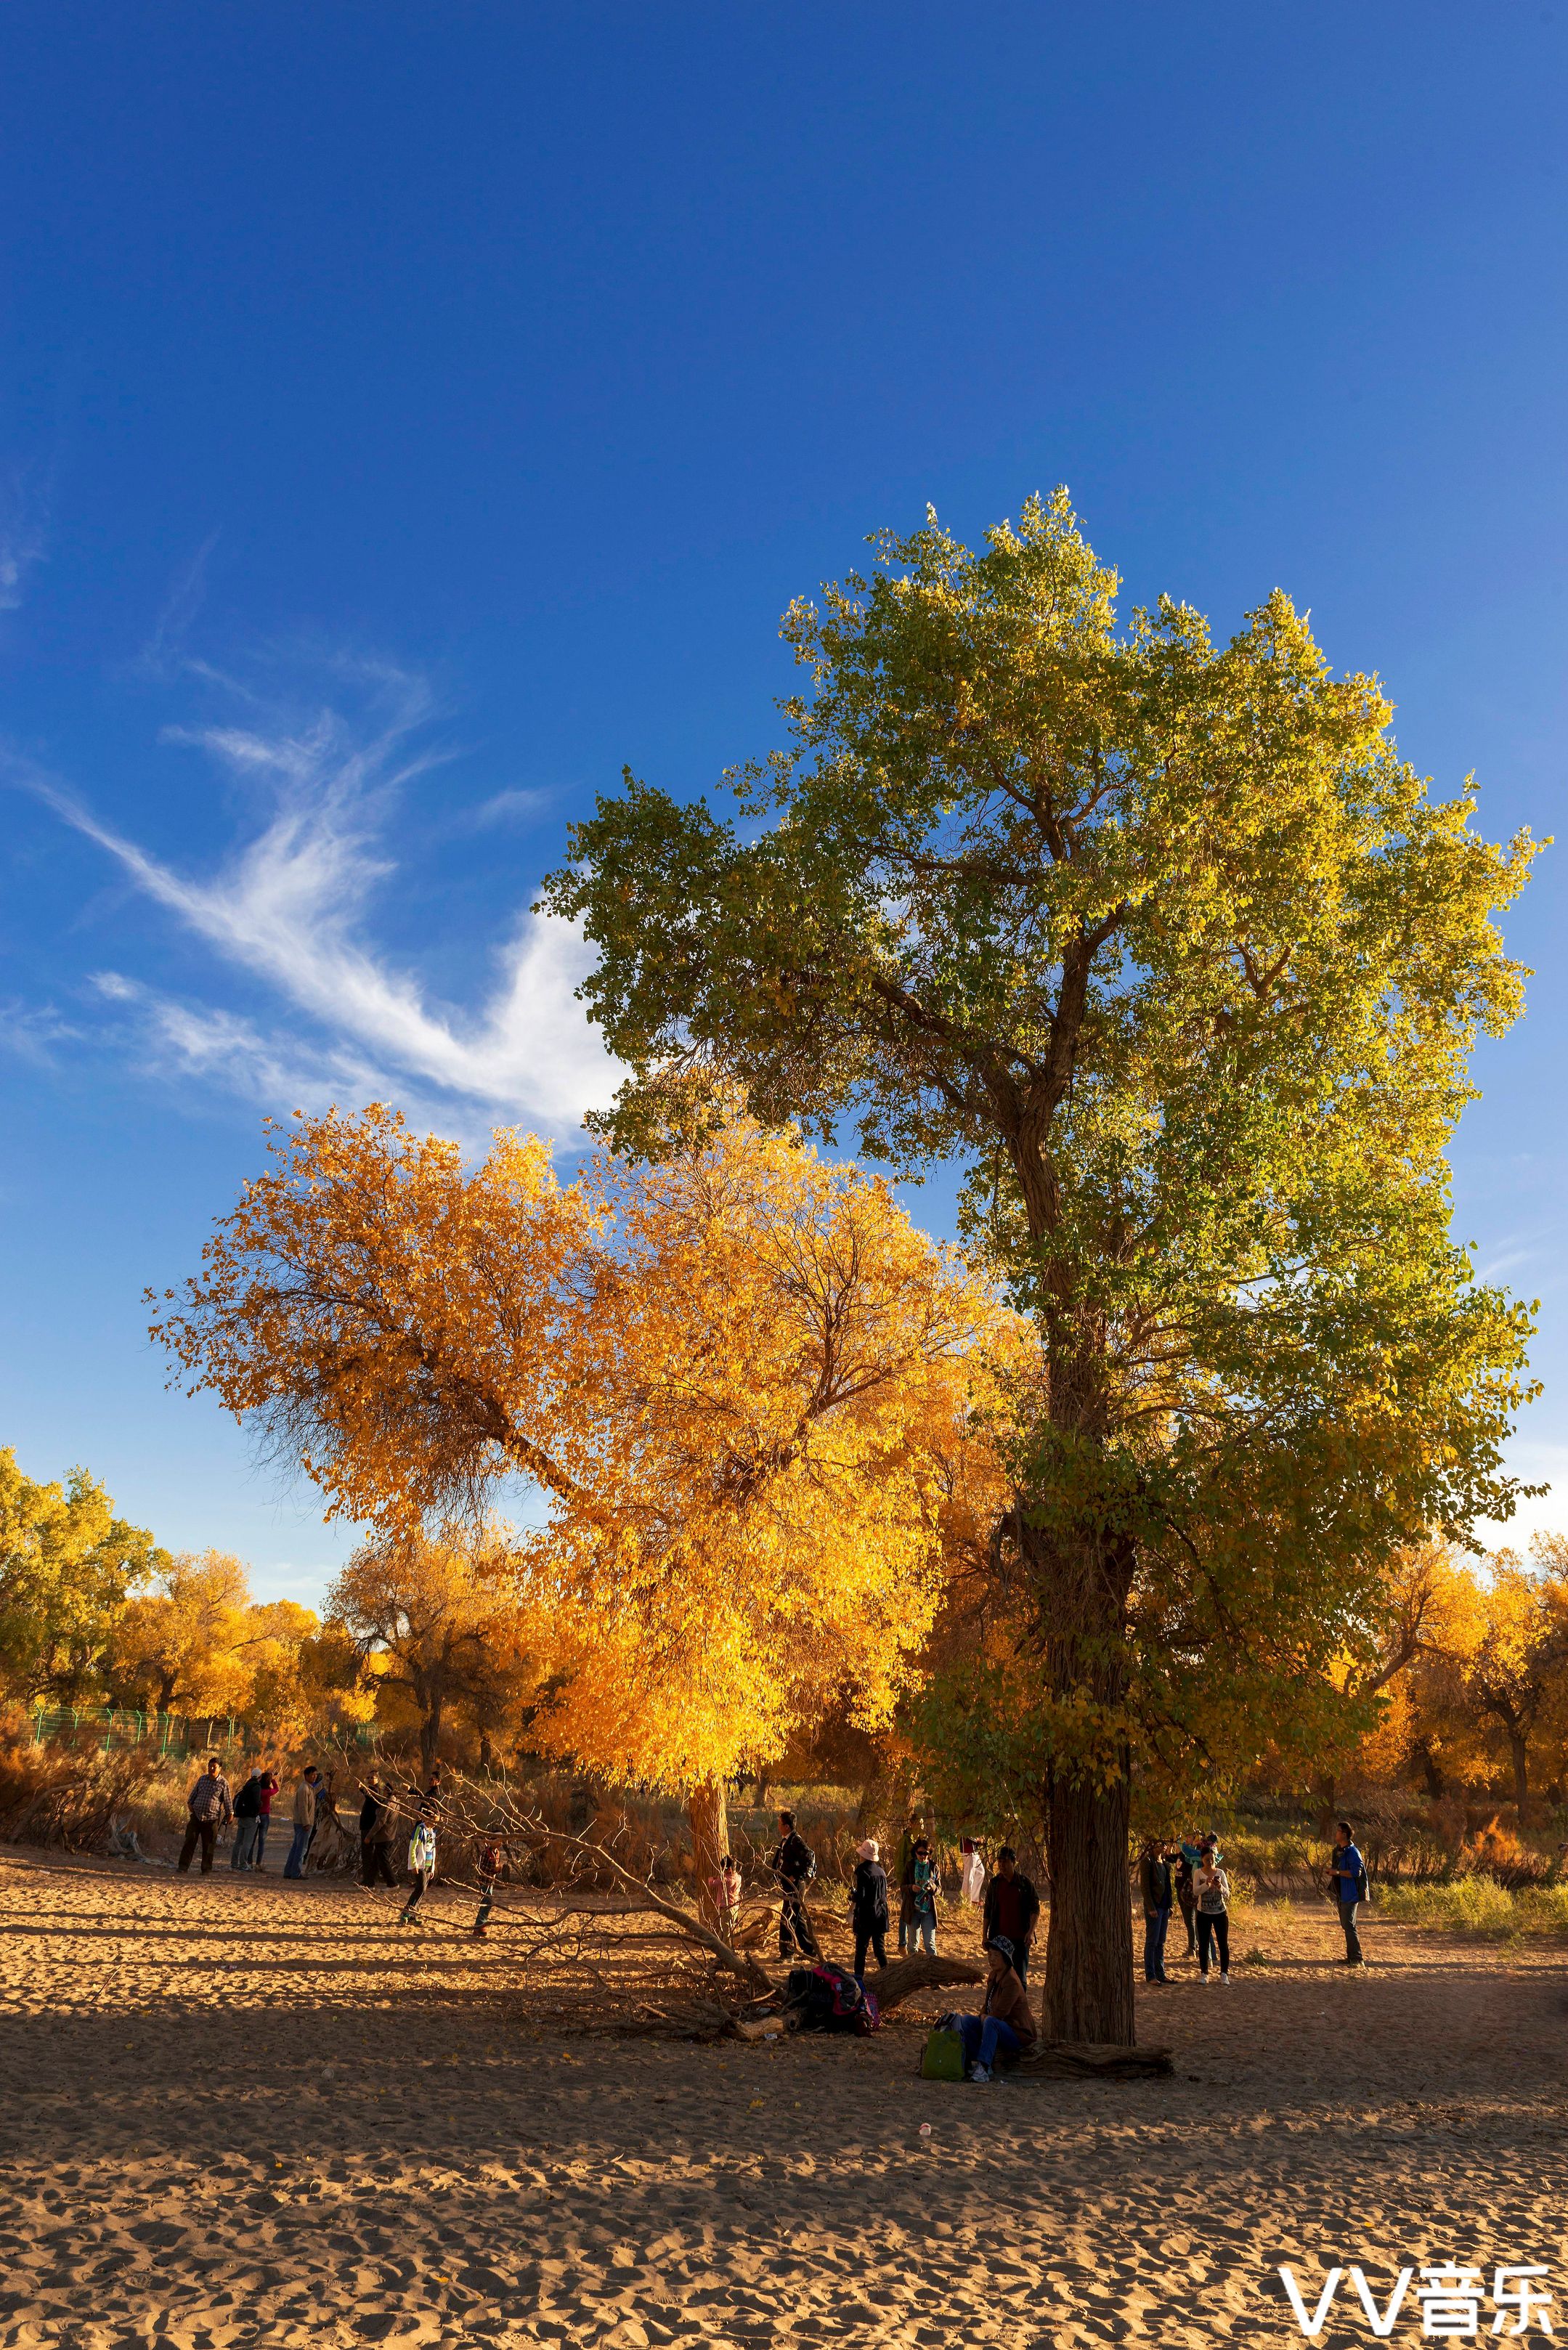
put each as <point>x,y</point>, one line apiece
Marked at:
<point>1347,1872</point>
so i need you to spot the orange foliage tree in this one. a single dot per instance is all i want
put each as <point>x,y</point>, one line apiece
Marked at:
<point>738,1380</point>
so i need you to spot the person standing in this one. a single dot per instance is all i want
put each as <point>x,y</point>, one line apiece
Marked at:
<point>265,1793</point>
<point>422,1852</point>
<point>1153,1884</point>
<point>1348,1872</point>
<point>1004,2027</point>
<point>376,1833</point>
<point>1182,1861</point>
<point>492,1861</point>
<point>304,1820</point>
<point>725,1887</point>
<point>794,1866</point>
<point>1012,1908</point>
<point>869,1907</point>
<point>1212,1888</point>
<point>903,1864</point>
<point>208,1808</point>
<point>247,1821</point>
<point>920,1885</point>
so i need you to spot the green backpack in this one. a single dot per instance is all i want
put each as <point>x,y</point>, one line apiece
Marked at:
<point>941,2058</point>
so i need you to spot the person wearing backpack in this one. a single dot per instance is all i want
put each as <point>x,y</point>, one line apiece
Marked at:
<point>247,1821</point>
<point>869,1907</point>
<point>1347,1874</point>
<point>794,1866</point>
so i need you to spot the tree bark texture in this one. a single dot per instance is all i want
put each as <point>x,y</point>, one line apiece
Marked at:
<point>1088,1991</point>
<point>709,1814</point>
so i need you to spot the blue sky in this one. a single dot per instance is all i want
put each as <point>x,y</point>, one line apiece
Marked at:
<point>410,415</point>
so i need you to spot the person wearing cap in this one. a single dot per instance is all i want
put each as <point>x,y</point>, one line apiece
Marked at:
<point>868,1906</point>
<point>1011,1908</point>
<point>1004,2029</point>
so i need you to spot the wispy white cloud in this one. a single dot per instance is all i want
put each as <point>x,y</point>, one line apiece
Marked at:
<point>290,907</point>
<point>514,807</point>
<point>23,539</point>
<point>164,650</point>
<point>33,1031</point>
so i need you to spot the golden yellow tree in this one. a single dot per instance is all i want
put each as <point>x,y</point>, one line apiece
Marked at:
<point>1517,1679</point>
<point>439,1618</point>
<point>180,1647</point>
<point>737,1378</point>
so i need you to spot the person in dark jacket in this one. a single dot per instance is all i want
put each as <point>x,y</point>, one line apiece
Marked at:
<point>869,1907</point>
<point>376,1833</point>
<point>1154,1886</point>
<point>793,1865</point>
<point>208,1809</point>
<point>1186,1899</point>
<point>1012,1908</point>
<point>247,1821</point>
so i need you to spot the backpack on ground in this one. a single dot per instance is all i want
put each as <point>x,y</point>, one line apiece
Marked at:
<point>941,2058</point>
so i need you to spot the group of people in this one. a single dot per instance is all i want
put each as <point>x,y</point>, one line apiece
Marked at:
<point>1192,1878</point>
<point>211,1805</point>
<point>383,1818</point>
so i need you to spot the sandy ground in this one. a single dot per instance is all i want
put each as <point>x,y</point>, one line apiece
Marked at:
<point>240,2112</point>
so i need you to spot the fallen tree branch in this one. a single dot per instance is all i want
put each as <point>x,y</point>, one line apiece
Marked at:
<point>900,1982</point>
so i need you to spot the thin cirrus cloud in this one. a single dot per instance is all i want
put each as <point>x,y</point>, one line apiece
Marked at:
<point>289,907</point>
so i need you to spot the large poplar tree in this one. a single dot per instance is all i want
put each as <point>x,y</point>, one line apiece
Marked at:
<point>1164,942</point>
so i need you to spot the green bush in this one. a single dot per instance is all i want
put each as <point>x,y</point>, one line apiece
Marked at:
<point>1478,1905</point>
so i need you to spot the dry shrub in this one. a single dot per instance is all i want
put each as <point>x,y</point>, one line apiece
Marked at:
<point>64,1793</point>
<point>1495,1851</point>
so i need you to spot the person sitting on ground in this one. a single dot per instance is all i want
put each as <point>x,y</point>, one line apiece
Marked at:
<point>304,1820</point>
<point>1004,2029</point>
<point>794,1866</point>
<point>209,1808</point>
<point>1011,1908</point>
<point>1212,1888</point>
<point>1347,1874</point>
<point>868,1906</point>
<point>920,1885</point>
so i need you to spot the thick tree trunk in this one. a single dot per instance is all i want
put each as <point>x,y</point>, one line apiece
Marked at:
<point>709,1814</point>
<point>1082,1587</point>
<point>430,1735</point>
<point>1520,1752</point>
<point>1088,1950</point>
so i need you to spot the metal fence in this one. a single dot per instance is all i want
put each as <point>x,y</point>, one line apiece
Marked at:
<point>170,1733</point>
